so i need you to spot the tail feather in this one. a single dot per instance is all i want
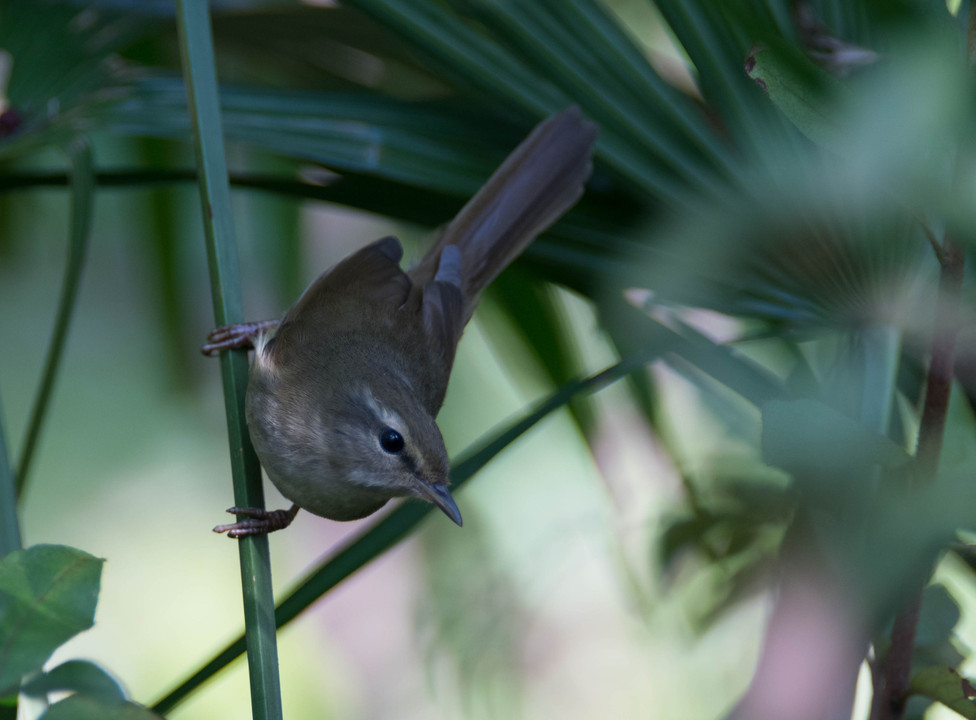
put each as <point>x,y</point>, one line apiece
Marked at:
<point>540,180</point>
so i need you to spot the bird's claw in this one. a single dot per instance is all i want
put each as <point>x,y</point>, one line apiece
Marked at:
<point>240,336</point>
<point>258,522</point>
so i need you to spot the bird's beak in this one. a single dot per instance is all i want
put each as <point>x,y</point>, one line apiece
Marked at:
<point>438,494</point>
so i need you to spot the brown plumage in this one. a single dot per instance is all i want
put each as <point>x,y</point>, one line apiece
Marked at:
<point>341,400</point>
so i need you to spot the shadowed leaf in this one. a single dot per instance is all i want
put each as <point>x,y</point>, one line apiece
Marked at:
<point>48,595</point>
<point>945,685</point>
<point>78,676</point>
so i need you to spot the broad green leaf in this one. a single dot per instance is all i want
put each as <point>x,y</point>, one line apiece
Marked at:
<point>959,439</point>
<point>802,91</point>
<point>815,443</point>
<point>77,707</point>
<point>77,676</point>
<point>682,343</point>
<point>933,635</point>
<point>48,595</point>
<point>836,463</point>
<point>795,252</point>
<point>945,685</point>
<point>904,534</point>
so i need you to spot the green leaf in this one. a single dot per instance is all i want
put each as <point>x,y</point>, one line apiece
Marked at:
<point>465,57</point>
<point>717,40</point>
<point>945,685</point>
<point>818,445</point>
<point>611,46</point>
<point>940,615</point>
<point>9,518</point>
<point>78,676</point>
<point>534,60</point>
<point>639,141</point>
<point>684,344</point>
<point>82,181</point>
<point>51,92</point>
<point>48,595</point>
<point>803,92</point>
<point>933,635</point>
<point>426,144</point>
<point>311,47</point>
<point>77,707</point>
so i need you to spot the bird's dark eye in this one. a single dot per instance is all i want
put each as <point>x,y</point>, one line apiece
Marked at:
<point>391,440</point>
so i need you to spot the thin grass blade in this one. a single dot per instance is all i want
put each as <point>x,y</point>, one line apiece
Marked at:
<point>463,55</point>
<point>621,57</point>
<point>426,144</point>
<point>196,49</point>
<point>567,51</point>
<point>82,182</point>
<point>10,540</point>
<point>715,40</point>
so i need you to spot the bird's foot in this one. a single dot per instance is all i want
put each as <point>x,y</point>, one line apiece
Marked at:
<point>236,337</point>
<point>258,522</point>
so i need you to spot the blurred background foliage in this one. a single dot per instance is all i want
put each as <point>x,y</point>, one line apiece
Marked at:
<point>771,181</point>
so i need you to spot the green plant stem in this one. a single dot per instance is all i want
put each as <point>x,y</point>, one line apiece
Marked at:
<point>891,698</point>
<point>9,522</point>
<point>81,180</point>
<point>400,522</point>
<point>882,348</point>
<point>196,49</point>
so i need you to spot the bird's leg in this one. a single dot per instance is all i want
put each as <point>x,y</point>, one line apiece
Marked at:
<point>259,522</point>
<point>236,337</point>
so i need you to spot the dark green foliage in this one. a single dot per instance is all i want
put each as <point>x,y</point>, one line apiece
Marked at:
<point>47,595</point>
<point>802,203</point>
<point>77,707</point>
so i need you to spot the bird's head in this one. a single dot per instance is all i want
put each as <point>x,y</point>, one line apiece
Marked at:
<point>388,443</point>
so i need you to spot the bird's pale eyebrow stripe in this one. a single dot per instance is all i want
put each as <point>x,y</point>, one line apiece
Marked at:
<point>390,417</point>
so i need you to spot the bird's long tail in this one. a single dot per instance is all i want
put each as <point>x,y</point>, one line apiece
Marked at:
<point>537,183</point>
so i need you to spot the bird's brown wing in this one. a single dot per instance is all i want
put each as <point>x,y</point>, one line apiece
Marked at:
<point>368,282</point>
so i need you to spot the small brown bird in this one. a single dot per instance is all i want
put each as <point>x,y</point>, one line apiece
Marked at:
<point>342,395</point>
